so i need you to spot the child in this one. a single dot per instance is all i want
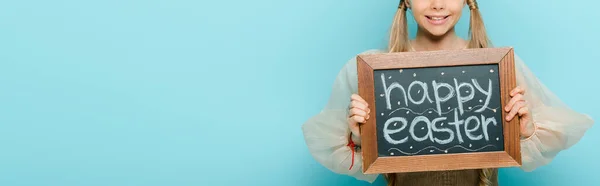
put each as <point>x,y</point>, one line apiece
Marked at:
<point>547,124</point>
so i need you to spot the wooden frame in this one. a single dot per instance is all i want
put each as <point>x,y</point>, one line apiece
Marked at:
<point>373,164</point>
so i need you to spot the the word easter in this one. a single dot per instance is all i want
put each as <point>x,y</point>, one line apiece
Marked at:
<point>432,128</point>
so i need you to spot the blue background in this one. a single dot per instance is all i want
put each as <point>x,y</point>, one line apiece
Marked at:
<point>182,92</point>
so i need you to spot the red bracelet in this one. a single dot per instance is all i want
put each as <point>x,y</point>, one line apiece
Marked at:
<point>352,147</point>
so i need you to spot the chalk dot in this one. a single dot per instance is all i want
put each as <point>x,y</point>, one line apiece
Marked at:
<point>442,73</point>
<point>470,107</point>
<point>395,124</point>
<point>400,70</point>
<point>391,153</point>
<point>382,113</point>
<point>449,108</point>
<point>494,110</point>
<point>497,139</point>
<point>381,95</point>
<point>470,145</point>
<point>414,74</point>
<point>463,71</point>
<point>442,124</point>
<point>398,102</point>
<point>410,147</point>
<point>390,77</point>
<point>430,112</point>
<point>491,70</point>
<point>419,91</point>
<point>467,91</point>
<point>430,150</point>
<point>446,151</point>
<point>422,128</point>
<point>480,101</point>
<point>407,112</point>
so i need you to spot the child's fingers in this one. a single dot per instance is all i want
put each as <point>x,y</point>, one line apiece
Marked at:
<point>515,109</point>
<point>512,101</point>
<point>358,98</point>
<point>358,119</point>
<point>358,112</point>
<point>517,90</point>
<point>359,105</point>
<point>524,110</point>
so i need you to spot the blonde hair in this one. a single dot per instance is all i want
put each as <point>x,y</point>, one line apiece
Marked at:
<point>399,32</point>
<point>399,42</point>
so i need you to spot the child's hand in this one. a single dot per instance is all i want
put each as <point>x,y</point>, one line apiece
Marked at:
<point>359,113</point>
<point>518,105</point>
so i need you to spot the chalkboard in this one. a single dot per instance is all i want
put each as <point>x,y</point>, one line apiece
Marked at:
<point>438,110</point>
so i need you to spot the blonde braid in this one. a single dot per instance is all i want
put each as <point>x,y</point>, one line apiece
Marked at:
<point>479,38</point>
<point>399,32</point>
<point>486,176</point>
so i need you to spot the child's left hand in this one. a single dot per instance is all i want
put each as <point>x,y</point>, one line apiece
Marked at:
<point>518,105</point>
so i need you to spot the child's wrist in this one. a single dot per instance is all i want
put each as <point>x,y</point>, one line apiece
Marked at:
<point>355,138</point>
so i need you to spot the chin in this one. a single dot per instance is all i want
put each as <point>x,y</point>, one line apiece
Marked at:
<point>437,32</point>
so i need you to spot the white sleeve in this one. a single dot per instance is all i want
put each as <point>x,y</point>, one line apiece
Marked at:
<point>556,126</point>
<point>326,134</point>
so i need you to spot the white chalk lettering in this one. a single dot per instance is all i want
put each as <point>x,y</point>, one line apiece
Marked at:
<point>388,91</point>
<point>463,99</point>
<point>418,122</point>
<point>487,93</point>
<point>387,132</point>
<point>415,122</point>
<point>438,99</point>
<point>425,93</point>
<point>469,132</point>
<point>486,122</point>
<point>432,129</point>
<point>457,122</point>
<point>447,130</point>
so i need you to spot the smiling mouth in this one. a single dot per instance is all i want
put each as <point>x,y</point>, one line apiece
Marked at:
<point>437,18</point>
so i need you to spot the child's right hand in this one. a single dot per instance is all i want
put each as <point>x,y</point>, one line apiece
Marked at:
<point>359,113</point>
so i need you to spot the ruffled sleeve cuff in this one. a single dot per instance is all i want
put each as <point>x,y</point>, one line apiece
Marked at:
<point>555,129</point>
<point>327,137</point>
